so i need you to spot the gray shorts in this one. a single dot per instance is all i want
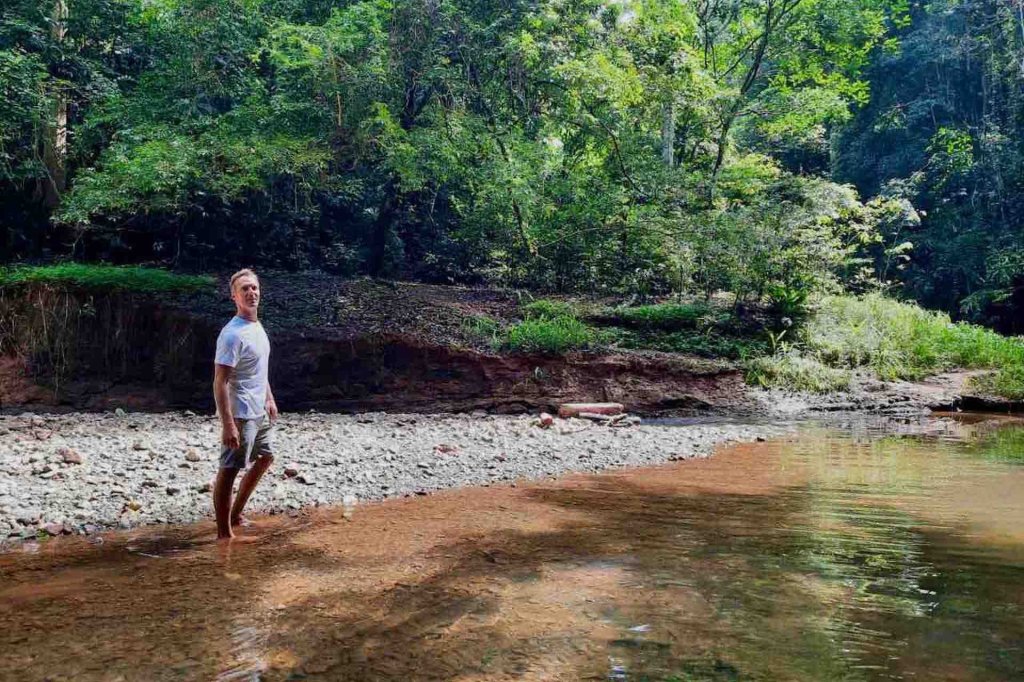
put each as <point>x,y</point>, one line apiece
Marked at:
<point>255,438</point>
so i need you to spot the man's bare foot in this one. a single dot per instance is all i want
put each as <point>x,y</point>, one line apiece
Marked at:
<point>237,540</point>
<point>240,521</point>
<point>222,537</point>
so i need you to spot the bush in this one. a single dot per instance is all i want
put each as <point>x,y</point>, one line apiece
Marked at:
<point>545,309</point>
<point>556,335</point>
<point>796,372</point>
<point>897,341</point>
<point>903,341</point>
<point>664,316</point>
<point>103,277</point>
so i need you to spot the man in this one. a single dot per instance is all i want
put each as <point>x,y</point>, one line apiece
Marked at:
<point>245,403</point>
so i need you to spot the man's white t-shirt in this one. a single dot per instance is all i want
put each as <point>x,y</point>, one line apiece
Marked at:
<point>244,345</point>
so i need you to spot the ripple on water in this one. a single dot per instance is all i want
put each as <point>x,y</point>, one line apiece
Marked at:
<point>857,553</point>
<point>247,653</point>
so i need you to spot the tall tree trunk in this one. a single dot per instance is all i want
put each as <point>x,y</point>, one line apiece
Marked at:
<point>382,229</point>
<point>55,142</point>
<point>668,134</point>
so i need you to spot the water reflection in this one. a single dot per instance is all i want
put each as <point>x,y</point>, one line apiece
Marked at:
<point>860,551</point>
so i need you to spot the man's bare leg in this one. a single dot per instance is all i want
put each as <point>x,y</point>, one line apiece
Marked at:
<point>249,481</point>
<point>222,501</point>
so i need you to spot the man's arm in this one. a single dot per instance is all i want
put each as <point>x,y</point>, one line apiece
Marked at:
<point>271,405</point>
<point>221,380</point>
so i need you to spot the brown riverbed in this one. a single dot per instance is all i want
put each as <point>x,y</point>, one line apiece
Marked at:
<point>853,553</point>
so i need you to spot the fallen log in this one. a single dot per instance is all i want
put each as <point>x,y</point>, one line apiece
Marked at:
<point>594,417</point>
<point>567,410</point>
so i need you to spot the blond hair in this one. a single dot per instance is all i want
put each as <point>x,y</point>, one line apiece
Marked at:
<point>244,272</point>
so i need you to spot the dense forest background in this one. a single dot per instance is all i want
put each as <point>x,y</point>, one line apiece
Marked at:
<point>632,147</point>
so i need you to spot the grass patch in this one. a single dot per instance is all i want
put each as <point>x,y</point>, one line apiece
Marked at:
<point>1007,382</point>
<point>103,277</point>
<point>896,341</point>
<point>710,344</point>
<point>797,373</point>
<point>903,341</point>
<point>549,327</point>
<point>546,309</point>
<point>556,335</point>
<point>664,316</point>
<point>483,327</point>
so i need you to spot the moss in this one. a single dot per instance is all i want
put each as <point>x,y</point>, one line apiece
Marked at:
<point>103,277</point>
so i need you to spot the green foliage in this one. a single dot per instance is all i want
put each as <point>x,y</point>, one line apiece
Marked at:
<point>788,305</point>
<point>103,277</point>
<point>708,344</point>
<point>546,309</point>
<point>795,372</point>
<point>634,149</point>
<point>484,328</point>
<point>537,144</point>
<point>894,340</point>
<point>665,316</point>
<point>943,131</point>
<point>903,341</point>
<point>1008,382</point>
<point>548,335</point>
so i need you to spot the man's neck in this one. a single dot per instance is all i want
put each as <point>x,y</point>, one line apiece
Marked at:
<point>247,315</point>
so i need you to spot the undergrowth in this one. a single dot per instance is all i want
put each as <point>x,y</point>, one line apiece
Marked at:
<point>796,372</point>
<point>548,327</point>
<point>549,335</point>
<point>896,341</point>
<point>665,316</point>
<point>103,277</point>
<point>710,344</point>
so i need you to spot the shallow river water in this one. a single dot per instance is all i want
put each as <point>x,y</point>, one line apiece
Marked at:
<point>863,551</point>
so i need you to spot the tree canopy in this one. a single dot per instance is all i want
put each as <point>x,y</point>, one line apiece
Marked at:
<point>628,146</point>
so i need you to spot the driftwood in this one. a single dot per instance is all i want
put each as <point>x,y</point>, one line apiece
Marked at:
<point>578,409</point>
<point>610,420</point>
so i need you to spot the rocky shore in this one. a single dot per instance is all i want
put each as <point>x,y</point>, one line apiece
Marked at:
<point>84,472</point>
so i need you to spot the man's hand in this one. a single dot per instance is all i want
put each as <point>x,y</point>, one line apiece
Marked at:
<point>271,409</point>
<point>229,435</point>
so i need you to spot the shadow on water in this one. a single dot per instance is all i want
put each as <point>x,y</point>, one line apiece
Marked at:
<point>824,558</point>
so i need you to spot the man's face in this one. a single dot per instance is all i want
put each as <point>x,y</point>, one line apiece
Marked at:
<point>246,293</point>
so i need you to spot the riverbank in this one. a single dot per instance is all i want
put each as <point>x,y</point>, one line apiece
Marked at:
<point>142,339</point>
<point>888,546</point>
<point>84,472</point>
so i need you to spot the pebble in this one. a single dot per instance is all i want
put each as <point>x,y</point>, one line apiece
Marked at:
<point>367,457</point>
<point>70,456</point>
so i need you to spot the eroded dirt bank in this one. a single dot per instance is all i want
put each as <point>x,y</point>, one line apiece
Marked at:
<point>338,345</point>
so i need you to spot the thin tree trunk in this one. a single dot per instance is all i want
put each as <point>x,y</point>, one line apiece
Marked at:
<point>55,143</point>
<point>382,228</point>
<point>668,134</point>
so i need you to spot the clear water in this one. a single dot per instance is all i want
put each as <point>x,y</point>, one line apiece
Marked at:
<point>861,551</point>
